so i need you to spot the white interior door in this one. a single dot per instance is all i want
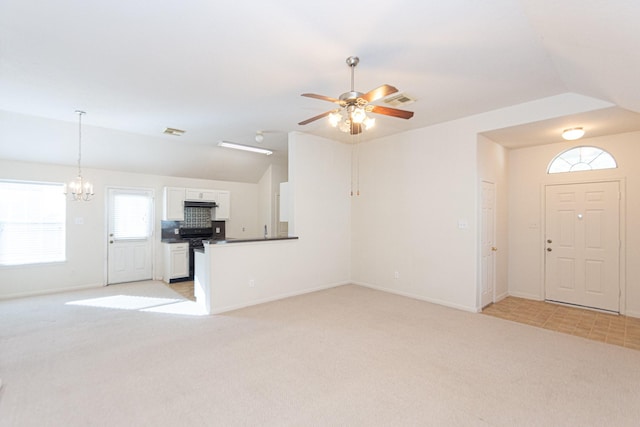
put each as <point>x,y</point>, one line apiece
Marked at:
<point>583,244</point>
<point>129,256</point>
<point>488,263</point>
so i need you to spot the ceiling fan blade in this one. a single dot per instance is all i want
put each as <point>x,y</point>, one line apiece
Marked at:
<point>322,97</point>
<point>313,119</point>
<point>379,92</point>
<point>394,112</point>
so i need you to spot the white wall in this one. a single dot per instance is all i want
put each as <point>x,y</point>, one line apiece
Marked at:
<point>527,177</point>
<point>320,213</point>
<point>415,188</point>
<point>86,243</point>
<point>492,167</point>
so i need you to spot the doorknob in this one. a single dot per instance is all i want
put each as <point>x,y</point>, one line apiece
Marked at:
<point>549,249</point>
<point>493,248</point>
<point>549,241</point>
<point>111,241</point>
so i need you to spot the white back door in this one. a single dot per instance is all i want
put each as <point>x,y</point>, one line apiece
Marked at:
<point>583,244</point>
<point>129,257</point>
<point>487,237</point>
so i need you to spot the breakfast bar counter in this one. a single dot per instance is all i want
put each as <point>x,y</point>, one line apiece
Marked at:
<point>236,273</point>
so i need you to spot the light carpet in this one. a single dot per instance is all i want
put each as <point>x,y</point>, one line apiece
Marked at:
<point>345,356</point>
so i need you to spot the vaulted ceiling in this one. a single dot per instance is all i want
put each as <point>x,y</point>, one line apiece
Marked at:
<point>225,70</point>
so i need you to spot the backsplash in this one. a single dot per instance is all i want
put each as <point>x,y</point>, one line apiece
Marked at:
<point>197,217</point>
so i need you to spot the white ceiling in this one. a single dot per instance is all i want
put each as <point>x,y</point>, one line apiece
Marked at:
<point>225,70</point>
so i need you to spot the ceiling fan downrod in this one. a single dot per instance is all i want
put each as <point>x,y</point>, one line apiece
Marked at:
<point>352,61</point>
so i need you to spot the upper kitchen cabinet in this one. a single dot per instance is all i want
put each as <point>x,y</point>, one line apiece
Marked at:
<point>173,207</point>
<point>223,211</point>
<point>195,195</point>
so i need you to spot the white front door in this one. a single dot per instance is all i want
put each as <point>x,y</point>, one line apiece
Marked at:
<point>130,241</point>
<point>582,244</point>
<point>488,264</point>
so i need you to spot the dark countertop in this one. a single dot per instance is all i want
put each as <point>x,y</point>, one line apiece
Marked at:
<point>246,240</point>
<point>174,240</point>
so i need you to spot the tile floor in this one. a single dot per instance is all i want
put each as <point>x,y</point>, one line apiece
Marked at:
<point>184,288</point>
<point>610,328</point>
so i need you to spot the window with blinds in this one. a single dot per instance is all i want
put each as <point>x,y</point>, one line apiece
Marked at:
<point>32,223</point>
<point>131,212</point>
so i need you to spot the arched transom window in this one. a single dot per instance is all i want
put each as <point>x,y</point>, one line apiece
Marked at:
<point>582,159</point>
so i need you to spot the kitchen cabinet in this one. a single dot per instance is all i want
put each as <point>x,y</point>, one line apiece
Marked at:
<point>176,261</point>
<point>195,195</point>
<point>223,211</point>
<point>173,207</point>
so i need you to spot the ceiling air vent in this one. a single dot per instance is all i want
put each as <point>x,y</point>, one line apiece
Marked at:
<point>399,99</point>
<point>173,131</point>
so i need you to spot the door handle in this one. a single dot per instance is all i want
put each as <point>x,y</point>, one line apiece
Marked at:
<point>111,241</point>
<point>549,249</point>
<point>493,248</point>
<point>549,241</point>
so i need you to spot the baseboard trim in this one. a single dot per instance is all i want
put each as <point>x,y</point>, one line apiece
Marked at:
<point>51,291</point>
<point>632,313</point>
<point>419,297</point>
<point>501,297</point>
<point>526,296</point>
<point>220,310</point>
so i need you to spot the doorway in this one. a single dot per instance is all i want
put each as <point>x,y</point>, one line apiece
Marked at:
<point>582,244</point>
<point>130,243</point>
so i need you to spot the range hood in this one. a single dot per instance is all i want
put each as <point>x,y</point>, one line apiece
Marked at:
<point>192,204</point>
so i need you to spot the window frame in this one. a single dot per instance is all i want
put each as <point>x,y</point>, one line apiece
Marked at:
<point>18,222</point>
<point>559,157</point>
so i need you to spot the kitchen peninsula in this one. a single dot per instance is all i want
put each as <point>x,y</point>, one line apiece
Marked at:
<point>235,273</point>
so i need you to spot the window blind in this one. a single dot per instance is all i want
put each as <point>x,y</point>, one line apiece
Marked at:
<point>131,216</point>
<point>32,223</point>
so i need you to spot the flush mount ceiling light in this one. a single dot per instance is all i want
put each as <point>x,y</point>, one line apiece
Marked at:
<point>79,188</point>
<point>259,136</point>
<point>573,134</point>
<point>352,115</point>
<point>235,146</point>
<point>174,131</point>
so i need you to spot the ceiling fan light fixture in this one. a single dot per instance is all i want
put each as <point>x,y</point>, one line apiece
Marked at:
<point>352,115</point>
<point>345,126</point>
<point>369,122</point>
<point>335,118</point>
<point>573,133</point>
<point>358,115</point>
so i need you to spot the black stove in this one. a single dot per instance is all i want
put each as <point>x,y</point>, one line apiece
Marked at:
<point>195,236</point>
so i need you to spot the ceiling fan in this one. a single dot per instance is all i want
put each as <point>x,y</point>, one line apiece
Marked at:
<point>351,116</point>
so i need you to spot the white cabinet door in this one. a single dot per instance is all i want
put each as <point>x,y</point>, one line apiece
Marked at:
<point>176,261</point>
<point>196,195</point>
<point>173,208</point>
<point>223,211</point>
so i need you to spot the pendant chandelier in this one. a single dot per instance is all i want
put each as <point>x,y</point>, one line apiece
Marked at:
<point>79,188</point>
